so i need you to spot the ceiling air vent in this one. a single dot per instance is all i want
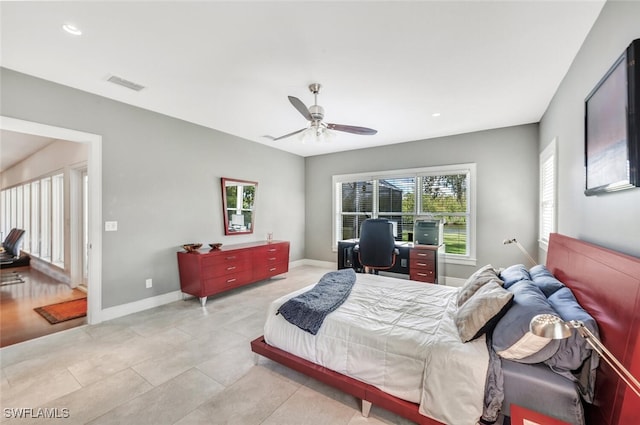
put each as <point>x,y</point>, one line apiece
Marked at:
<point>125,83</point>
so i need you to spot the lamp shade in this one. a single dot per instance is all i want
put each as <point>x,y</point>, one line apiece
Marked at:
<point>549,326</point>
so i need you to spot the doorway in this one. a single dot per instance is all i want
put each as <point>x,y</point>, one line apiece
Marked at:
<point>92,182</point>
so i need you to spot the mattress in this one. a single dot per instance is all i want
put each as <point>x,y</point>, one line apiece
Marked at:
<point>400,337</point>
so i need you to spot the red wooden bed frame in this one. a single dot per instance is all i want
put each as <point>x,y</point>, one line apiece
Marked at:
<point>606,283</point>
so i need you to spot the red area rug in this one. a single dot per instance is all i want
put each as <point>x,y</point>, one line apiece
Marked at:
<point>61,312</point>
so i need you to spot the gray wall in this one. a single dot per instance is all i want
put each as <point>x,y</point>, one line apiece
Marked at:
<point>507,188</point>
<point>161,182</point>
<point>611,220</point>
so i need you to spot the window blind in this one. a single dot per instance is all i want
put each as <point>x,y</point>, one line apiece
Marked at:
<point>547,193</point>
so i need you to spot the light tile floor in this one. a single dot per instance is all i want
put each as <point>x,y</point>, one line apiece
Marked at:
<point>175,364</point>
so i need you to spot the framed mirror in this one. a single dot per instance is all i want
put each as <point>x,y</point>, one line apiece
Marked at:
<point>238,203</point>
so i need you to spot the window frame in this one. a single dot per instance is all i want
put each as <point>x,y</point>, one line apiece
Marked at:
<point>464,168</point>
<point>548,153</point>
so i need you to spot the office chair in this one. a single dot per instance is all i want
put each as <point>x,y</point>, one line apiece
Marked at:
<point>377,247</point>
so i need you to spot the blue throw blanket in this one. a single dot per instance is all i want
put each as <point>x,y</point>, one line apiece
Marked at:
<point>308,310</point>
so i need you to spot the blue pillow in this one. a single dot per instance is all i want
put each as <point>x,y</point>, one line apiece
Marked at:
<point>512,339</point>
<point>514,274</point>
<point>573,350</point>
<point>573,360</point>
<point>545,280</point>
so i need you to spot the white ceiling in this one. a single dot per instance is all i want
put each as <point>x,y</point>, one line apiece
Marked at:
<point>14,147</point>
<point>386,65</point>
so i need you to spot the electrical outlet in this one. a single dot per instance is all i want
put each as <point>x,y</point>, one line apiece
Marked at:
<point>148,283</point>
<point>110,226</point>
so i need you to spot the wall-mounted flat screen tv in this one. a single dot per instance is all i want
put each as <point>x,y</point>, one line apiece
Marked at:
<point>612,127</point>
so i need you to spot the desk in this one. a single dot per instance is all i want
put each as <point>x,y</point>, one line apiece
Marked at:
<point>424,263</point>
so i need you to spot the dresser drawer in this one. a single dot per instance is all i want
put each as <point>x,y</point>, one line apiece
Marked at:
<point>266,271</point>
<point>224,263</point>
<point>222,283</point>
<point>422,265</point>
<point>271,259</point>
<point>280,248</point>
<point>223,257</point>
<point>422,254</point>
<point>272,254</point>
<point>276,269</point>
<point>428,276</point>
<point>226,267</point>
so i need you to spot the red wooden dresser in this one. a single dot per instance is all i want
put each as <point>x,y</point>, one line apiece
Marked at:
<point>204,273</point>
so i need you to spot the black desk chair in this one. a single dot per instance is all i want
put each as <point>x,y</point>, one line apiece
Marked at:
<point>377,247</point>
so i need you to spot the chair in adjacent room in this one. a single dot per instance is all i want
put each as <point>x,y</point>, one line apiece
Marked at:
<point>377,246</point>
<point>10,255</point>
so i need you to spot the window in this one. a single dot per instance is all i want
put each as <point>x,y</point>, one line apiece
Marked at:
<point>402,196</point>
<point>57,220</point>
<point>26,222</point>
<point>547,212</point>
<point>356,205</point>
<point>45,219</point>
<point>35,218</point>
<point>445,196</point>
<point>5,226</point>
<point>38,208</point>
<point>396,202</point>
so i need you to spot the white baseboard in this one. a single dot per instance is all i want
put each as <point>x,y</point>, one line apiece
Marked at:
<point>454,281</point>
<point>315,263</point>
<point>136,306</point>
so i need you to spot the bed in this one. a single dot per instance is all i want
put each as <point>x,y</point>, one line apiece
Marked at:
<point>606,284</point>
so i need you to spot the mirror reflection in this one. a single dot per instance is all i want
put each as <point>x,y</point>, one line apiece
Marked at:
<point>238,199</point>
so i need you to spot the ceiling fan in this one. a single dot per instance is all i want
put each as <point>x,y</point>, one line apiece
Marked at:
<point>315,113</point>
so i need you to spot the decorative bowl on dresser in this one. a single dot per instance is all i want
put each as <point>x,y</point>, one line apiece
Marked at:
<point>218,270</point>
<point>191,247</point>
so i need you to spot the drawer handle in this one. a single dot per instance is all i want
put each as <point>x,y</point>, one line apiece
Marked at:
<point>231,258</point>
<point>421,264</point>
<point>272,250</point>
<point>231,268</point>
<point>231,280</point>
<point>273,258</point>
<point>272,269</point>
<point>422,274</point>
<point>421,254</point>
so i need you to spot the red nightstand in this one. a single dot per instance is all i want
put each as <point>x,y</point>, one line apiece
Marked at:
<point>522,416</point>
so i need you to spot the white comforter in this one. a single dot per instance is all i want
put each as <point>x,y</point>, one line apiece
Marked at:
<point>399,336</point>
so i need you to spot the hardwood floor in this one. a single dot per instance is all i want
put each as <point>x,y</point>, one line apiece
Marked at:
<point>18,321</point>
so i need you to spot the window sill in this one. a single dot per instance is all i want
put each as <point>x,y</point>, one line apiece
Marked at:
<point>465,261</point>
<point>543,245</point>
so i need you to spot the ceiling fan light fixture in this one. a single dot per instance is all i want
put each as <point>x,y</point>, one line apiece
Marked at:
<point>316,133</point>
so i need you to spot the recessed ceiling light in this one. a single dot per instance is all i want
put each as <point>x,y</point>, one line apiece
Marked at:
<point>72,29</point>
<point>435,114</point>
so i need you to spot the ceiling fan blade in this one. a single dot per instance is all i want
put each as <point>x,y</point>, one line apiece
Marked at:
<point>352,129</point>
<point>287,135</point>
<point>297,103</point>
